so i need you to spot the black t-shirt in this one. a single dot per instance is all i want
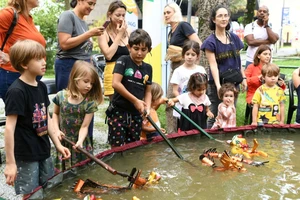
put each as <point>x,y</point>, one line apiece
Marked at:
<point>181,33</point>
<point>135,79</point>
<point>30,104</point>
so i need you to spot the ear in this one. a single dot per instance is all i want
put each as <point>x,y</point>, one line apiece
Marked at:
<point>24,66</point>
<point>128,47</point>
<point>150,49</point>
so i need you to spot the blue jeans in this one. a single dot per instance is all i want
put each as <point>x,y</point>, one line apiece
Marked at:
<point>6,79</point>
<point>247,63</point>
<point>63,69</point>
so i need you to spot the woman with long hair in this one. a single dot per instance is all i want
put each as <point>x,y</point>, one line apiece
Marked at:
<point>113,42</point>
<point>222,49</point>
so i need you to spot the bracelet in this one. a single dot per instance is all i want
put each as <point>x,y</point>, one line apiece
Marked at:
<point>244,77</point>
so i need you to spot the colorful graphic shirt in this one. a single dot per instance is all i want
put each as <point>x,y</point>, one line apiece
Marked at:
<point>135,79</point>
<point>70,121</point>
<point>269,100</point>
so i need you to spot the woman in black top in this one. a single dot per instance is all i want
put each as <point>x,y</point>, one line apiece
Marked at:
<point>113,42</point>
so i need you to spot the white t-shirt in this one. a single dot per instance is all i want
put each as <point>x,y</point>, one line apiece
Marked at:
<point>180,77</point>
<point>259,33</point>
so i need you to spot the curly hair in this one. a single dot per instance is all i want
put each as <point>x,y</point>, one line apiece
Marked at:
<point>226,87</point>
<point>197,80</point>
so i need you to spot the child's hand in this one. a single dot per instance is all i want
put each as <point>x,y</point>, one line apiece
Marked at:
<point>170,102</point>
<point>254,123</point>
<point>210,114</point>
<point>140,106</point>
<point>10,173</point>
<point>59,134</point>
<point>163,100</point>
<point>163,130</point>
<point>64,151</point>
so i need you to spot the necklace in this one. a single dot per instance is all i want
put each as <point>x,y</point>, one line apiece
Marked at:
<point>174,27</point>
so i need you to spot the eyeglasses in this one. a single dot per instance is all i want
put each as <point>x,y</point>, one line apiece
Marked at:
<point>222,16</point>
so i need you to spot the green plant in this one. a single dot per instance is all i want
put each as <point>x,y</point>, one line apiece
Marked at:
<point>45,16</point>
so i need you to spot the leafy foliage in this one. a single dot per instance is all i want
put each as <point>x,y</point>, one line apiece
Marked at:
<point>46,17</point>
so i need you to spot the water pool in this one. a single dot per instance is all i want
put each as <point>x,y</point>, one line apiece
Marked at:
<point>278,179</point>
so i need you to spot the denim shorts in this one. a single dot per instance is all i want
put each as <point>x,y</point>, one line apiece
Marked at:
<point>30,175</point>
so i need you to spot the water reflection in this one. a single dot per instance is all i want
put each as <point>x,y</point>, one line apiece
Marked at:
<point>278,179</point>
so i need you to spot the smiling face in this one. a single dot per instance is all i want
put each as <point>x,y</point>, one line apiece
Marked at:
<point>222,18</point>
<point>86,6</point>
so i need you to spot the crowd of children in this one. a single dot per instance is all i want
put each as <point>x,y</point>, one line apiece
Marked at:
<point>135,97</point>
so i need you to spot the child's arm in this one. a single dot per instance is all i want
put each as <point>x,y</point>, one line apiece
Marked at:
<point>119,87</point>
<point>55,120</point>
<point>171,102</point>
<point>254,114</point>
<point>146,128</point>
<point>175,90</point>
<point>162,100</point>
<point>148,97</point>
<point>226,111</point>
<point>83,132</point>
<point>209,113</point>
<point>281,113</point>
<point>59,147</point>
<point>10,170</point>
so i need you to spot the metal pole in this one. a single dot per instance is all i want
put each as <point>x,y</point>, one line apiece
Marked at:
<point>189,11</point>
<point>282,13</point>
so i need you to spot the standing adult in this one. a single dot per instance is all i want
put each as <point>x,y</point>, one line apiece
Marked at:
<point>113,42</point>
<point>74,42</point>
<point>179,33</point>
<point>222,49</point>
<point>24,29</point>
<point>259,32</point>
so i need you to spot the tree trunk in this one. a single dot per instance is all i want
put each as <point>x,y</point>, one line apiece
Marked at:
<point>249,15</point>
<point>67,5</point>
<point>205,7</point>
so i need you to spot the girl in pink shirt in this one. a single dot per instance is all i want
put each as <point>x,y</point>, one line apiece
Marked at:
<point>226,111</point>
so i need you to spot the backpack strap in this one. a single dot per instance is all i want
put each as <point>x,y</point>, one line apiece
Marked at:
<point>11,28</point>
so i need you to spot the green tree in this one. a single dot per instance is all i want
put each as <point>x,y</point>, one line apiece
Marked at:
<point>46,17</point>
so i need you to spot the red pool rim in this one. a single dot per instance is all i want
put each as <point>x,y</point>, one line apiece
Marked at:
<point>284,127</point>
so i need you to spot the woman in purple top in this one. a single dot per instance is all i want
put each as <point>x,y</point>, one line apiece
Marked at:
<point>222,49</point>
<point>179,33</point>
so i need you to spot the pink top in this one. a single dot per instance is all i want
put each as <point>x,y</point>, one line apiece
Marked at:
<point>226,117</point>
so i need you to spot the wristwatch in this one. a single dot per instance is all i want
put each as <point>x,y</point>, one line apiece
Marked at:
<point>244,77</point>
<point>266,26</point>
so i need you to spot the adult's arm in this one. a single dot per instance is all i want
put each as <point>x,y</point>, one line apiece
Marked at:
<point>66,41</point>
<point>109,51</point>
<point>213,67</point>
<point>272,36</point>
<point>255,42</point>
<point>195,37</point>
